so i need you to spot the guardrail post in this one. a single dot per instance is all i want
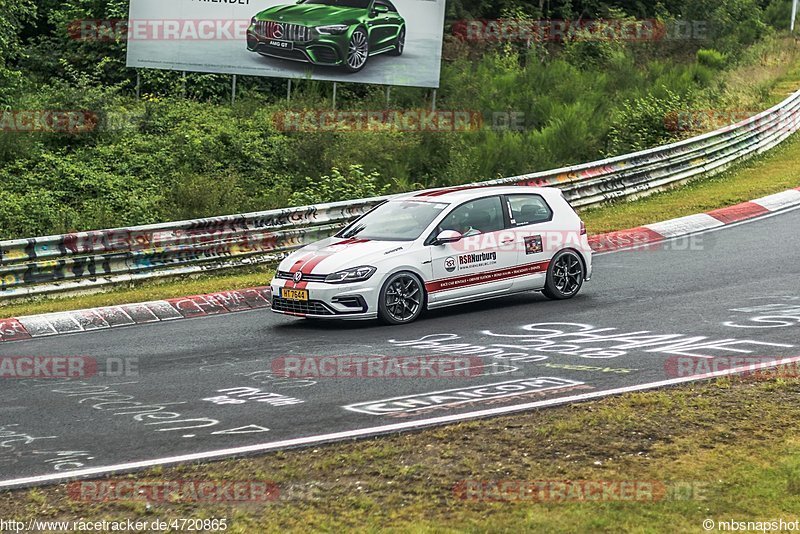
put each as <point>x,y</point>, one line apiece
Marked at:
<point>233,90</point>
<point>433,104</point>
<point>138,85</point>
<point>388,95</point>
<point>289,91</point>
<point>794,15</point>
<point>334,96</point>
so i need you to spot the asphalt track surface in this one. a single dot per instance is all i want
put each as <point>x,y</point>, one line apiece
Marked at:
<point>205,388</point>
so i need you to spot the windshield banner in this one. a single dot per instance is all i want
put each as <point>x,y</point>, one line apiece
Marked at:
<point>387,42</point>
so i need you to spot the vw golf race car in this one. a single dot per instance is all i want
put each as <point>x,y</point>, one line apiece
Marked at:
<point>438,248</point>
<point>341,33</point>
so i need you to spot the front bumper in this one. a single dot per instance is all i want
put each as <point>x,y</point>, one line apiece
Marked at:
<point>329,301</point>
<point>329,50</point>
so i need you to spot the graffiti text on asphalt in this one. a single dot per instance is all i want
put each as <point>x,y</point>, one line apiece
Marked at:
<point>451,397</point>
<point>773,315</point>
<point>537,341</point>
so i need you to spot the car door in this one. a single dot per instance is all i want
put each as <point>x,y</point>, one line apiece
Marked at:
<point>394,20</point>
<point>536,238</point>
<point>381,26</point>
<point>482,263</point>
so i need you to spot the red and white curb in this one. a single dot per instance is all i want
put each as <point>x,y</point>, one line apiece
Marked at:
<point>692,224</point>
<point>73,322</point>
<point>89,320</point>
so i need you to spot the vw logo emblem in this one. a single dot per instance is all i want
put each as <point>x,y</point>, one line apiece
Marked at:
<point>298,276</point>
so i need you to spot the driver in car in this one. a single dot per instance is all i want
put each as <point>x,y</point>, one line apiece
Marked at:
<point>467,225</point>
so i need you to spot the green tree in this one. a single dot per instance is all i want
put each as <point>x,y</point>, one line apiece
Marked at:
<point>14,14</point>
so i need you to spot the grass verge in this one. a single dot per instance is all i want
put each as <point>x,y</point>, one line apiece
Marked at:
<point>725,450</point>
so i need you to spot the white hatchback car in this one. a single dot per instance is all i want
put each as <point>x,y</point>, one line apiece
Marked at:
<point>438,248</point>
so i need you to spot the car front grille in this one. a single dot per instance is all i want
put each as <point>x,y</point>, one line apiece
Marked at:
<point>283,275</point>
<point>311,307</point>
<point>283,32</point>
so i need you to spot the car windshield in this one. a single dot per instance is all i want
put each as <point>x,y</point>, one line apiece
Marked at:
<point>361,4</point>
<point>401,220</point>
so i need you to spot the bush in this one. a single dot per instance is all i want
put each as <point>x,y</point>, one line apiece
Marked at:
<point>711,58</point>
<point>354,183</point>
<point>642,123</point>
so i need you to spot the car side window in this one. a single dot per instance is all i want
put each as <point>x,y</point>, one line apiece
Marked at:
<point>528,209</point>
<point>480,216</point>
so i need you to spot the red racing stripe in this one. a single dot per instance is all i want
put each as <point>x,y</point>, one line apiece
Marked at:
<point>296,267</point>
<point>487,277</point>
<point>309,266</point>
<point>351,241</point>
<point>739,212</point>
<point>314,259</point>
<point>441,192</point>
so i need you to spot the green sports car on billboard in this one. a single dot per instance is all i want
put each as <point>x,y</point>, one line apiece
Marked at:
<point>343,33</point>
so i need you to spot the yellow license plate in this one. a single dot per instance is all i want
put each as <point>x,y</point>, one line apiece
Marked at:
<point>294,294</point>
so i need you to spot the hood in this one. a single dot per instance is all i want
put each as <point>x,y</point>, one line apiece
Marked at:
<point>335,254</point>
<point>311,15</point>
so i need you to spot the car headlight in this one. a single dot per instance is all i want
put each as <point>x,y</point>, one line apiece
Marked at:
<point>253,21</point>
<point>357,274</point>
<point>333,29</point>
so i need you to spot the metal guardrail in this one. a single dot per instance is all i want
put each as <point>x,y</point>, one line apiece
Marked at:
<point>89,259</point>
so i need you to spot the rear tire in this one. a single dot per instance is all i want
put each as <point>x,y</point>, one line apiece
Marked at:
<point>399,44</point>
<point>401,300</point>
<point>565,276</point>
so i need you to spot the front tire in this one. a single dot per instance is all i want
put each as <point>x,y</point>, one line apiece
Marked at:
<point>357,51</point>
<point>401,299</point>
<point>565,276</point>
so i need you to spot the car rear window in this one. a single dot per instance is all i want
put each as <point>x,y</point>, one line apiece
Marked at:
<point>529,209</point>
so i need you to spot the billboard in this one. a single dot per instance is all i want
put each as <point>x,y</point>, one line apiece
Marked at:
<point>387,42</point>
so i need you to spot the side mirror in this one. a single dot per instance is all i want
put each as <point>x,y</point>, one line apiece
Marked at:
<point>380,10</point>
<point>448,236</point>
